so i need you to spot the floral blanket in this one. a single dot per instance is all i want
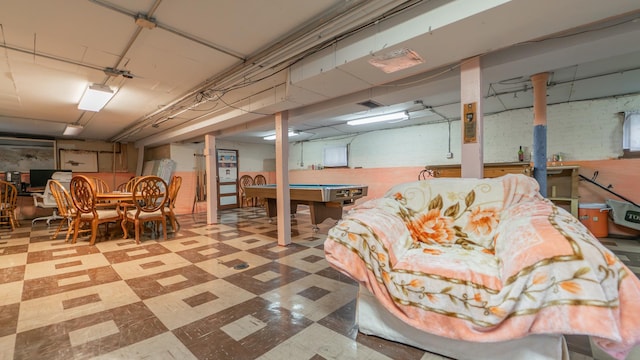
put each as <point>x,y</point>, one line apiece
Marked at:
<point>487,260</point>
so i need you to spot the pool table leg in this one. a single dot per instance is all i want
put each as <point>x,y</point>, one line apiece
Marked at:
<point>320,211</point>
<point>272,211</point>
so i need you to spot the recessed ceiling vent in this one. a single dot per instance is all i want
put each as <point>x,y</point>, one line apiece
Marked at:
<point>370,104</point>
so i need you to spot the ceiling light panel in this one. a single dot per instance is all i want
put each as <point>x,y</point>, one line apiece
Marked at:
<point>95,97</point>
<point>399,116</point>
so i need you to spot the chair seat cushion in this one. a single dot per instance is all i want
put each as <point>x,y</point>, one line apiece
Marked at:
<point>102,214</point>
<point>131,215</point>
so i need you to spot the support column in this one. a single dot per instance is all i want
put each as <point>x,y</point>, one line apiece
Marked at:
<point>212,178</point>
<point>140,163</point>
<point>472,159</point>
<point>283,196</point>
<point>539,82</point>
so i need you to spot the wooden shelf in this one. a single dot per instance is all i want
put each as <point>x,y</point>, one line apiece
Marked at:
<point>490,170</point>
<point>562,186</point>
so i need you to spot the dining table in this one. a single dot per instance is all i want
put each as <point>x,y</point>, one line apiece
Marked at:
<point>115,196</point>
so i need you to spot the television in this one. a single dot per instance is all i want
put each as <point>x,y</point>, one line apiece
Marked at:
<point>38,177</point>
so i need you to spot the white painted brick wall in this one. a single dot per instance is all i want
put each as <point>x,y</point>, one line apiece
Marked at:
<point>585,130</point>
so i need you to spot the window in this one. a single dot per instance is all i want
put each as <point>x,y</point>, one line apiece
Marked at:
<point>631,135</point>
<point>336,156</point>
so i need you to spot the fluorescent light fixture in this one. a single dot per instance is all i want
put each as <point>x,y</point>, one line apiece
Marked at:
<point>273,137</point>
<point>95,97</point>
<point>399,116</point>
<point>72,130</point>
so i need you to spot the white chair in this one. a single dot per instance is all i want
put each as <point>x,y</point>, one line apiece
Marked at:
<point>47,201</point>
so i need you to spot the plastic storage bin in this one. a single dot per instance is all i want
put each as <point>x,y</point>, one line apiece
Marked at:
<point>595,217</point>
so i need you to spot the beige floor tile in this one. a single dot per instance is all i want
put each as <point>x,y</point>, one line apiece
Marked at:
<point>298,260</point>
<point>187,243</point>
<point>51,309</point>
<point>57,266</point>
<point>94,332</point>
<point>7,344</point>
<point>250,242</point>
<point>11,293</point>
<point>135,268</point>
<point>243,327</point>
<point>13,260</point>
<point>318,340</point>
<point>174,311</point>
<point>15,241</point>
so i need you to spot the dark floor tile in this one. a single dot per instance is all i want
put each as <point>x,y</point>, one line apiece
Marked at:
<point>49,285</point>
<point>11,274</point>
<point>266,250</point>
<point>249,279</point>
<point>202,253</point>
<point>206,338</point>
<point>9,319</point>
<point>124,255</point>
<point>133,323</point>
<point>149,286</point>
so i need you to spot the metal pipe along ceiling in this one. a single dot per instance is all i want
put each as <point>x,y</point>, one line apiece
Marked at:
<point>338,21</point>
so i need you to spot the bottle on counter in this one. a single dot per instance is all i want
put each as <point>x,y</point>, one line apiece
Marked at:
<point>520,154</point>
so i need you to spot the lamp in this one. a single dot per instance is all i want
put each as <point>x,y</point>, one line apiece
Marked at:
<point>273,137</point>
<point>72,130</point>
<point>95,97</point>
<point>399,116</point>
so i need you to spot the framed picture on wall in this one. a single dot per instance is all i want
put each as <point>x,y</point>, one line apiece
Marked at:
<point>79,160</point>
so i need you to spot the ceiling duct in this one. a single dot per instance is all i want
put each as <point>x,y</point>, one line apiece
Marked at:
<point>370,104</point>
<point>115,72</point>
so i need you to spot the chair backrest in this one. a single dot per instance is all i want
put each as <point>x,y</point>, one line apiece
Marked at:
<point>131,183</point>
<point>259,180</point>
<point>174,188</point>
<point>8,195</point>
<point>150,194</point>
<point>101,186</point>
<point>244,181</point>
<point>83,193</point>
<point>62,197</point>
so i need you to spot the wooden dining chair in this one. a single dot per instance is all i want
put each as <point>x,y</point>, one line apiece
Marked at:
<point>259,180</point>
<point>131,183</point>
<point>101,186</point>
<point>174,188</point>
<point>66,209</point>
<point>8,204</point>
<point>149,197</point>
<point>245,180</point>
<point>83,194</point>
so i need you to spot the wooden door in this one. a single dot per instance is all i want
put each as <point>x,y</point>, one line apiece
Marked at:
<point>227,161</point>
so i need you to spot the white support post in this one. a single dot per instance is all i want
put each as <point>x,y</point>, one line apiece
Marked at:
<point>212,178</point>
<point>283,206</point>
<point>472,159</point>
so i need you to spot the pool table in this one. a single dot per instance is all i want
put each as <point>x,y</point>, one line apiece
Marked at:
<point>324,200</point>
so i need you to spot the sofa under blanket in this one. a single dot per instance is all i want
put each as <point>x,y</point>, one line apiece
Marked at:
<point>487,260</point>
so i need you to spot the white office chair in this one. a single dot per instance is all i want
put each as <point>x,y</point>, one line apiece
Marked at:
<point>47,201</point>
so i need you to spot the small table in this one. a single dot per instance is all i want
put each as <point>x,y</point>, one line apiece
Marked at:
<point>325,201</point>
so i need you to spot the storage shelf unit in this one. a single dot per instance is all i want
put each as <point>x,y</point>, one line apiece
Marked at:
<point>562,186</point>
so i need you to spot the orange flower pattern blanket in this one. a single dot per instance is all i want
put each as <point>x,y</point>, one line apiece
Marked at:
<point>487,260</point>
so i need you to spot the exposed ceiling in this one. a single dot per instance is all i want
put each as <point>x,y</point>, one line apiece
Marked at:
<point>190,67</point>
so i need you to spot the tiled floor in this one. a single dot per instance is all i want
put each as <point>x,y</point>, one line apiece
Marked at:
<point>224,291</point>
